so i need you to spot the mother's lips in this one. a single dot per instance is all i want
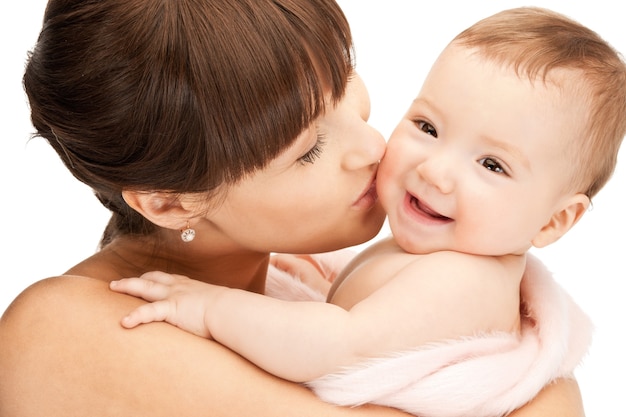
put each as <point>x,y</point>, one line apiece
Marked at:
<point>369,195</point>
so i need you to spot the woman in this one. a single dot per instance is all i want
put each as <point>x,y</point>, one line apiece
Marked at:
<point>215,132</point>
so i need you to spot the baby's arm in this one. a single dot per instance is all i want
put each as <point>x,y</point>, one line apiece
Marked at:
<point>301,341</point>
<point>281,337</point>
<point>175,299</point>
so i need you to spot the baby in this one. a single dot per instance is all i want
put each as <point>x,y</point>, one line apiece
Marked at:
<point>517,126</point>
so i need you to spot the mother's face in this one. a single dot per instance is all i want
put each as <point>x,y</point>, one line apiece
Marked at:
<point>319,194</point>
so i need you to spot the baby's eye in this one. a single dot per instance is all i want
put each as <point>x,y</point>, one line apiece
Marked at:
<point>492,165</point>
<point>426,128</point>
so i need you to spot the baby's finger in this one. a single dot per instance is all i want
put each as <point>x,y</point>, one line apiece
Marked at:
<point>295,265</point>
<point>147,313</point>
<point>305,268</point>
<point>142,288</point>
<point>161,277</point>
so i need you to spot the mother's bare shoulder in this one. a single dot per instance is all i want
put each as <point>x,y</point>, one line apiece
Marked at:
<point>63,353</point>
<point>64,298</point>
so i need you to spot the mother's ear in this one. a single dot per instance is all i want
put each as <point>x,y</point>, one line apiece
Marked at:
<point>166,210</point>
<point>562,220</point>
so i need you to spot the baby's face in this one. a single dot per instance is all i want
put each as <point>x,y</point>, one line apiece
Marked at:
<point>480,162</point>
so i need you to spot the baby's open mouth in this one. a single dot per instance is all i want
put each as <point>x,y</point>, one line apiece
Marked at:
<point>427,210</point>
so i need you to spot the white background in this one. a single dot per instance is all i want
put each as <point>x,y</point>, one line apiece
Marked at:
<point>50,221</point>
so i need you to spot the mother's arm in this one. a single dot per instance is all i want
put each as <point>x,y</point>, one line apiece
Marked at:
<point>63,352</point>
<point>561,398</point>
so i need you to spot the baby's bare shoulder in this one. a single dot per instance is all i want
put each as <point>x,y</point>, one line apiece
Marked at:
<point>455,265</point>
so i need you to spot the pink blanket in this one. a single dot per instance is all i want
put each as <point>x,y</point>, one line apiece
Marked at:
<point>487,375</point>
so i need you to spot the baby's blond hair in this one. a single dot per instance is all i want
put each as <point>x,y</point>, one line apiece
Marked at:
<point>536,41</point>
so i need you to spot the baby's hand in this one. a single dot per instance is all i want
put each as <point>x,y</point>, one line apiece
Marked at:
<point>175,299</point>
<point>318,271</point>
<point>303,267</point>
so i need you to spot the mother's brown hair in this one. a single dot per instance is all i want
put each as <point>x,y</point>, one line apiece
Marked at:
<point>180,95</point>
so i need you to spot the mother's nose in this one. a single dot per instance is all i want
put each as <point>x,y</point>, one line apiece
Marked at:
<point>364,149</point>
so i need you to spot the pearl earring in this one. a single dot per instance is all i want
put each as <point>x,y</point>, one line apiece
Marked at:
<point>187,234</point>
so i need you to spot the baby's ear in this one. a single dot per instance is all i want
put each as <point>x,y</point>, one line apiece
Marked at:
<point>562,220</point>
<point>163,209</point>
